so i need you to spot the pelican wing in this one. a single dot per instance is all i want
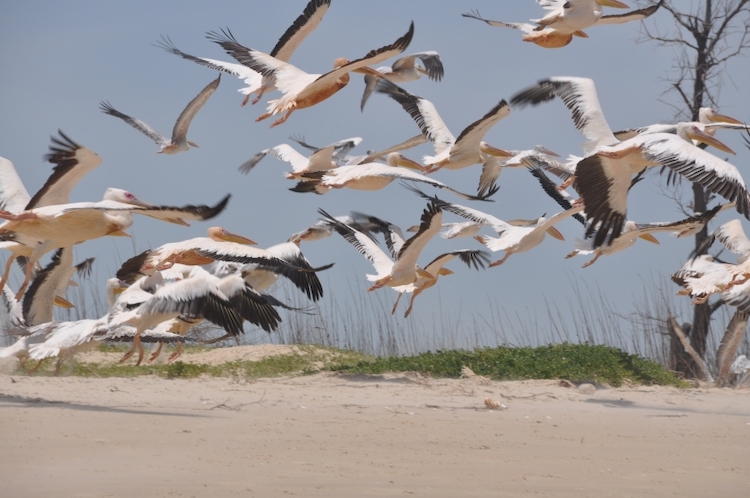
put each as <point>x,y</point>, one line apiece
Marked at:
<point>423,112</point>
<point>468,140</point>
<point>465,212</point>
<point>698,166</point>
<point>579,96</point>
<point>72,162</point>
<point>249,303</point>
<point>67,335</point>
<point>307,281</point>
<point>475,258</point>
<point>190,212</point>
<point>562,198</point>
<point>363,244</point>
<point>139,125</point>
<point>406,144</point>
<point>633,15</point>
<point>52,280</point>
<point>300,29</point>
<point>733,237</point>
<point>250,77</point>
<point>525,27</point>
<point>179,133</point>
<point>430,225</point>
<point>13,194</point>
<point>299,162</point>
<point>433,65</point>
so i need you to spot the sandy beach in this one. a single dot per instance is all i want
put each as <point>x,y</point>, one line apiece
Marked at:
<point>392,435</point>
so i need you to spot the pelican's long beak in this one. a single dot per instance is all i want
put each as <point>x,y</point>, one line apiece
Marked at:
<point>413,228</point>
<point>239,239</point>
<point>62,302</point>
<point>420,69</point>
<point>368,70</point>
<point>193,144</point>
<point>650,238</point>
<point>445,271</point>
<point>424,274</point>
<point>696,134</point>
<point>554,232</point>
<point>178,221</point>
<point>722,118</point>
<point>493,151</point>
<point>405,162</point>
<point>580,34</point>
<point>121,286</point>
<point>612,3</point>
<point>545,150</point>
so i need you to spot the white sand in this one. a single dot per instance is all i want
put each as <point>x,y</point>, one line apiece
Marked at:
<point>344,436</point>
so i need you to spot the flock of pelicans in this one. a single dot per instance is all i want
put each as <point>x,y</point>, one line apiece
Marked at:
<point>157,296</point>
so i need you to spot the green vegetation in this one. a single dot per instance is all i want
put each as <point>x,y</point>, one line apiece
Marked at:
<point>574,362</point>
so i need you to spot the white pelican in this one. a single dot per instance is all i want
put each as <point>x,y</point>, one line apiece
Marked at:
<point>320,160</point>
<point>69,224</point>
<point>64,339</point>
<point>302,89</point>
<point>632,231</point>
<point>568,18</point>
<point>450,152</point>
<point>604,175</point>
<point>220,245</point>
<point>406,144</point>
<point>179,141</point>
<point>72,162</point>
<point>471,257</point>
<point>150,301</point>
<point>341,148</point>
<point>285,47</point>
<point>373,176</point>
<point>709,121</point>
<point>493,165</point>
<point>323,228</point>
<point>404,269</point>
<point>406,69</point>
<point>702,276</point>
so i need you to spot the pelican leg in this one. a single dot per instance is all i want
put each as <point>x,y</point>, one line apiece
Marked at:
<point>282,120</point>
<point>33,370</point>
<point>29,270</point>
<point>256,99</point>
<point>395,305</point>
<point>380,283</point>
<point>141,352</point>
<point>411,302</point>
<point>176,354</point>
<point>155,354</point>
<point>7,271</point>
<point>572,254</point>
<point>136,343</point>
<point>567,183</point>
<point>500,261</point>
<point>58,365</point>
<point>592,261</point>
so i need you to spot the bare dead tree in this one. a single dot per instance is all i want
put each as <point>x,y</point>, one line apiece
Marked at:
<point>707,36</point>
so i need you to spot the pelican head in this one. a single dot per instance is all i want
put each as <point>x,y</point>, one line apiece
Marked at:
<point>612,3</point>
<point>120,195</point>
<point>493,151</point>
<point>693,132</point>
<point>708,115</point>
<point>223,235</point>
<point>398,159</point>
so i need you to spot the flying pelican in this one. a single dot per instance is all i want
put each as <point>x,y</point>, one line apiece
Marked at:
<point>450,152</point>
<point>471,257</point>
<point>341,148</point>
<point>709,121</point>
<point>69,224</point>
<point>701,276</point>
<point>321,160</point>
<point>158,301</point>
<point>604,175</point>
<point>323,228</point>
<point>220,245</point>
<point>285,47</point>
<point>493,165</point>
<point>404,269</point>
<point>179,141</point>
<point>404,70</point>
<point>302,89</point>
<point>568,18</point>
<point>374,176</point>
<point>632,231</point>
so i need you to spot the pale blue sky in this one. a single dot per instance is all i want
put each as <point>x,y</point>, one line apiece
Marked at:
<point>60,59</point>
